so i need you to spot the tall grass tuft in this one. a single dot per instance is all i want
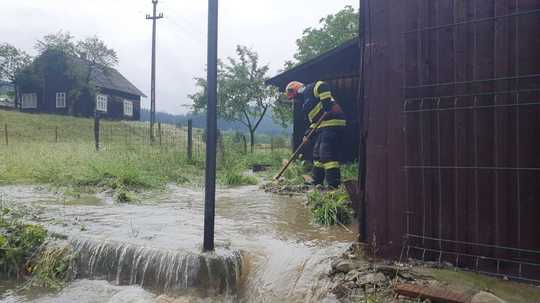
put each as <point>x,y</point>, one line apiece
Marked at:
<point>52,267</point>
<point>330,207</point>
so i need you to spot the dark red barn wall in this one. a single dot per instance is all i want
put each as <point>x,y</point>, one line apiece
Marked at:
<point>452,116</point>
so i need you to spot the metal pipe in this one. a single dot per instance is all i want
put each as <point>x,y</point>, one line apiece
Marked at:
<point>211,127</point>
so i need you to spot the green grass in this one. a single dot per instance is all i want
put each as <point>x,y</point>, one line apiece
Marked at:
<point>330,207</point>
<point>125,162</point>
<point>349,171</point>
<point>79,165</point>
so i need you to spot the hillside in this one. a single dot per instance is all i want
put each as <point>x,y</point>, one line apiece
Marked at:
<point>267,127</point>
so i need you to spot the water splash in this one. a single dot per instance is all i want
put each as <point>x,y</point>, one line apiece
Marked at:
<point>166,271</point>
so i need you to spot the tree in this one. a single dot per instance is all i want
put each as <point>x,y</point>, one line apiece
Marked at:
<point>59,41</point>
<point>96,55</point>
<point>12,62</point>
<point>76,61</point>
<point>333,31</point>
<point>242,93</point>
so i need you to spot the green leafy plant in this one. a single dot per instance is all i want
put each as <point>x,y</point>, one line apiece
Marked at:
<point>18,242</point>
<point>349,171</point>
<point>330,207</point>
<point>51,268</point>
<point>233,177</point>
<point>123,195</point>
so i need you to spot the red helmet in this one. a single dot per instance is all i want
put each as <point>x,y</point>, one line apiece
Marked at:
<point>293,89</point>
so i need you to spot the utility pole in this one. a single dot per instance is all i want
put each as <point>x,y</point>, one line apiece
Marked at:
<point>211,128</point>
<point>154,18</point>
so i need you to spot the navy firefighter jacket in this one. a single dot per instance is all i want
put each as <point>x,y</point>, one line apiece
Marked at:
<point>317,100</point>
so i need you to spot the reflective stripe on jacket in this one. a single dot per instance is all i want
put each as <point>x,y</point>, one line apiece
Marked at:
<point>318,99</point>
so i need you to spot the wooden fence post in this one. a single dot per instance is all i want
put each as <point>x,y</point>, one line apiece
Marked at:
<point>6,134</point>
<point>245,143</point>
<point>190,140</point>
<point>221,146</point>
<point>96,131</point>
<point>159,131</point>
<point>56,134</point>
<point>272,144</point>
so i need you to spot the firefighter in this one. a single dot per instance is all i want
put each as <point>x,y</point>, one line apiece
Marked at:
<point>316,99</point>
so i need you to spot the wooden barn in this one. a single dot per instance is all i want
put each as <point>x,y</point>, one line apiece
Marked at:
<point>340,68</point>
<point>450,97</point>
<point>116,97</point>
<point>445,97</point>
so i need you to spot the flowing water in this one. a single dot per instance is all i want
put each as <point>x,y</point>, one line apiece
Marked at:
<point>267,248</point>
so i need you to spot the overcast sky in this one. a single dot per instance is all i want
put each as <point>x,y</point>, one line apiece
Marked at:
<point>270,27</point>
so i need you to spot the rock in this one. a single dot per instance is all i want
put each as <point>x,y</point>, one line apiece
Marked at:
<point>343,266</point>
<point>132,295</point>
<point>330,299</point>
<point>340,277</point>
<point>448,265</point>
<point>352,275</point>
<point>486,297</point>
<point>388,270</point>
<point>167,299</point>
<point>407,276</point>
<point>371,278</point>
<point>340,290</point>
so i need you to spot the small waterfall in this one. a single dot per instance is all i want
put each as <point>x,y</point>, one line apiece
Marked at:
<point>168,271</point>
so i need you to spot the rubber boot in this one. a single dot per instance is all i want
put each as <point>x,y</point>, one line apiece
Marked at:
<point>333,177</point>
<point>318,175</point>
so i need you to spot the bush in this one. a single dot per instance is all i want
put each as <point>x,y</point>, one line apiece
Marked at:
<point>349,171</point>
<point>18,242</point>
<point>294,175</point>
<point>330,207</point>
<point>233,177</point>
<point>52,267</point>
<point>123,195</point>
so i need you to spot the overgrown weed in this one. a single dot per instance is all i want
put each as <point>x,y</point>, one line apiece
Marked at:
<point>330,207</point>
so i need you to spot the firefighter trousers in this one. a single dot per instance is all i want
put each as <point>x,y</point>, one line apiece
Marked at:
<point>326,156</point>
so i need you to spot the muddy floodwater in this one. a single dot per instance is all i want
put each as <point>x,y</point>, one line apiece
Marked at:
<point>283,251</point>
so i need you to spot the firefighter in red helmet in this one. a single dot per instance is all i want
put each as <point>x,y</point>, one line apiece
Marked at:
<point>316,99</point>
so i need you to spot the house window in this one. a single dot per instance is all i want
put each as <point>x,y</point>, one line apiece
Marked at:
<point>60,100</point>
<point>29,101</point>
<point>128,108</point>
<point>101,103</point>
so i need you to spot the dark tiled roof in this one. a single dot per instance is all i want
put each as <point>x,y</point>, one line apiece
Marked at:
<point>110,78</point>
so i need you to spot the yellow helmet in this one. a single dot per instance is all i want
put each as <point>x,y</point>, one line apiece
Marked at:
<point>293,89</point>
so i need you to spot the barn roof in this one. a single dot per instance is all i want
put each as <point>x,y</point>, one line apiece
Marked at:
<point>110,78</point>
<point>340,62</point>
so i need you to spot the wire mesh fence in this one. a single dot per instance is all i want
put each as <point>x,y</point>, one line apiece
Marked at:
<point>135,135</point>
